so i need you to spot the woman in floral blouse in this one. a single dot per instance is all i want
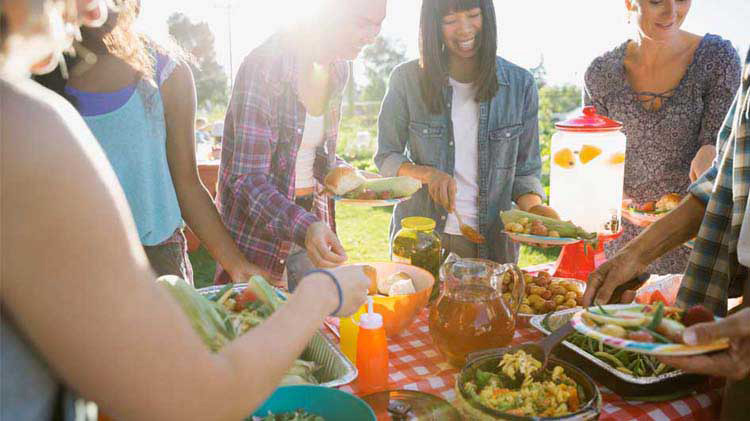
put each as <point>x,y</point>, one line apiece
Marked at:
<point>671,89</point>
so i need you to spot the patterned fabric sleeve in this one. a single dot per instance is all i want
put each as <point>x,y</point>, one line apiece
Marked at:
<point>725,80</point>
<point>254,146</point>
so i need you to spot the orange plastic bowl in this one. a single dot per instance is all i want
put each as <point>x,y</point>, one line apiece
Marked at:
<point>400,311</point>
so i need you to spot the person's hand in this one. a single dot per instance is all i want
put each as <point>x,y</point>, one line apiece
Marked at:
<point>613,273</point>
<point>442,188</point>
<point>702,161</point>
<point>733,363</point>
<point>323,247</point>
<point>354,283</point>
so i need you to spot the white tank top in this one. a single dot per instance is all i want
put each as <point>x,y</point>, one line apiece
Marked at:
<point>311,139</point>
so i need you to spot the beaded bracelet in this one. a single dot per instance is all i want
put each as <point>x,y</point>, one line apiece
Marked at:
<point>335,282</point>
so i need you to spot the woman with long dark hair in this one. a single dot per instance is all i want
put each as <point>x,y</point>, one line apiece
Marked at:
<point>464,122</point>
<point>138,98</point>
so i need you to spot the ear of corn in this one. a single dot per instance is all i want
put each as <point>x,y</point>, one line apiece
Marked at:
<point>214,324</point>
<point>398,186</point>
<point>209,319</point>
<point>265,292</point>
<point>565,228</point>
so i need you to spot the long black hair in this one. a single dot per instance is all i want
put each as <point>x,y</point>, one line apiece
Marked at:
<point>433,60</point>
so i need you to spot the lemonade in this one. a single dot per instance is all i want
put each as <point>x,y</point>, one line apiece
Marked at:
<point>586,179</point>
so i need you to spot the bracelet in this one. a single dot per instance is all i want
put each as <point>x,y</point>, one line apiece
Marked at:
<point>335,282</point>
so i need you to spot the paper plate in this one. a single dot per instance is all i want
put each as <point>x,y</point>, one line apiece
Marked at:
<point>541,239</point>
<point>641,217</point>
<point>370,203</point>
<point>651,348</point>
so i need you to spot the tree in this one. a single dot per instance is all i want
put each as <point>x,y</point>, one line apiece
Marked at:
<point>379,60</point>
<point>553,100</point>
<point>196,39</point>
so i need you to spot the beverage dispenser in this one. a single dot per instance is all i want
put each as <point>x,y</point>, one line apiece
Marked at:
<point>586,184</point>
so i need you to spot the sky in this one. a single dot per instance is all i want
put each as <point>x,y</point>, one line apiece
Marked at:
<point>567,34</point>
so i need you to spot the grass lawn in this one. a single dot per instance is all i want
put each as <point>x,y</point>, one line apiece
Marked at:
<point>364,234</point>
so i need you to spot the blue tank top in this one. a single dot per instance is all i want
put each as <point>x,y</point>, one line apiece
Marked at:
<point>134,138</point>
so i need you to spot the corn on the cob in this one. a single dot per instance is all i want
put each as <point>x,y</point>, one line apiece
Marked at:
<point>397,186</point>
<point>565,229</point>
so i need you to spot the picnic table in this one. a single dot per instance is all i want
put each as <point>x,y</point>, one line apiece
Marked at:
<point>416,364</point>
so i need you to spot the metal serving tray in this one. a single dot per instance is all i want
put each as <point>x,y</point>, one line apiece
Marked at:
<point>335,369</point>
<point>667,384</point>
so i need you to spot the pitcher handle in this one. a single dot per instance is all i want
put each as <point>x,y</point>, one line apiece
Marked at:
<point>519,287</point>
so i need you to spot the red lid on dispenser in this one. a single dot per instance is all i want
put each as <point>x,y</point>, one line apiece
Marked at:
<point>590,121</point>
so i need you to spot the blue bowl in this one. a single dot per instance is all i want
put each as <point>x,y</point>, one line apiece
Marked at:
<point>331,404</point>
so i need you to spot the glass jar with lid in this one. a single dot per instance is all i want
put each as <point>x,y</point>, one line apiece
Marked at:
<point>417,244</point>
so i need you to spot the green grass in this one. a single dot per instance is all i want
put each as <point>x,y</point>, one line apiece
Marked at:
<point>203,267</point>
<point>364,233</point>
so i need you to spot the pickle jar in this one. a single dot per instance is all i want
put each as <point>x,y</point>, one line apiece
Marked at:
<point>417,244</point>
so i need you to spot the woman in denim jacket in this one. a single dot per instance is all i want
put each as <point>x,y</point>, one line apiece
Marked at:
<point>464,122</point>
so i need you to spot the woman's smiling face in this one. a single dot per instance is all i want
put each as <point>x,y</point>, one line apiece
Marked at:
<point>462,32</point>
<point>659,19</point>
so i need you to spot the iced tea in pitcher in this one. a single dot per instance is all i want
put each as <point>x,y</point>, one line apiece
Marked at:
<point>470,314</point>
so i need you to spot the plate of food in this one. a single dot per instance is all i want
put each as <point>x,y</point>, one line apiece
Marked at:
<point>347,186</point>
<point>629,374</point>
<point>546,294</point>
<point>651,211</point>
<point>508,385</point>
<point>530,228</point>
<point>645,329</point>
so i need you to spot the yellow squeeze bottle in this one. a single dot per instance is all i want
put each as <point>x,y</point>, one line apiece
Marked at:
<point>348,329</point>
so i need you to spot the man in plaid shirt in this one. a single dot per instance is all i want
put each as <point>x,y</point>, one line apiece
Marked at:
<point>716,210</point>
<point>292,81</point>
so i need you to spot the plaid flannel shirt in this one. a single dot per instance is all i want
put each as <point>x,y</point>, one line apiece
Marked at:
<point>713,270</point>
<point>262,135</point>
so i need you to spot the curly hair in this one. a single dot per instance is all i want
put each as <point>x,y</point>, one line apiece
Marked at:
<point>125,43</point>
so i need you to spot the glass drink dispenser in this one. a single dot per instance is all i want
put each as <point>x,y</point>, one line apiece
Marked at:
<point>587,171</point>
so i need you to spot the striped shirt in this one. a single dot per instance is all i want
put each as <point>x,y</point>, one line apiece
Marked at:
<point>713,271</point>
<point>262,135</point>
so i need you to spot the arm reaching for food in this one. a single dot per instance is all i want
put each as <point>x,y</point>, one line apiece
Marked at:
<point>675,228</point>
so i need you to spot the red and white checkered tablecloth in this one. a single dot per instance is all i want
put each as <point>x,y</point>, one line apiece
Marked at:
<point>416,364</point>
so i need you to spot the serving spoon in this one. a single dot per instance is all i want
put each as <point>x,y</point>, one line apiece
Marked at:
<point>540,350</point>
<point>467,231</point>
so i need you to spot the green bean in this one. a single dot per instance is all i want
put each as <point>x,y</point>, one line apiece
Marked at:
<point>625,370</point>
<point>658,314</point>
<point>656,336</point>
<point>639,368</point>
<point>610,358</point>
<point>660,368</point>
<point>623,356</point>
<point>650,363</point>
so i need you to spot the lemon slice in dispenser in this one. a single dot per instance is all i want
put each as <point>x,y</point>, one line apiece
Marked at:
<point>564,158</point>
<point>617,158</point>
<point>588,153</point>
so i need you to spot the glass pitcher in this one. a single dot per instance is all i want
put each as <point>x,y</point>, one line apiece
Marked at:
<point>470,314</point>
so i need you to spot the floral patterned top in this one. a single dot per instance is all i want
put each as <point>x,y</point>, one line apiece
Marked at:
<point>663,142</point>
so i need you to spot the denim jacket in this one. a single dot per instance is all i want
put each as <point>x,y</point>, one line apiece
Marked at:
<point>509,158</point>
